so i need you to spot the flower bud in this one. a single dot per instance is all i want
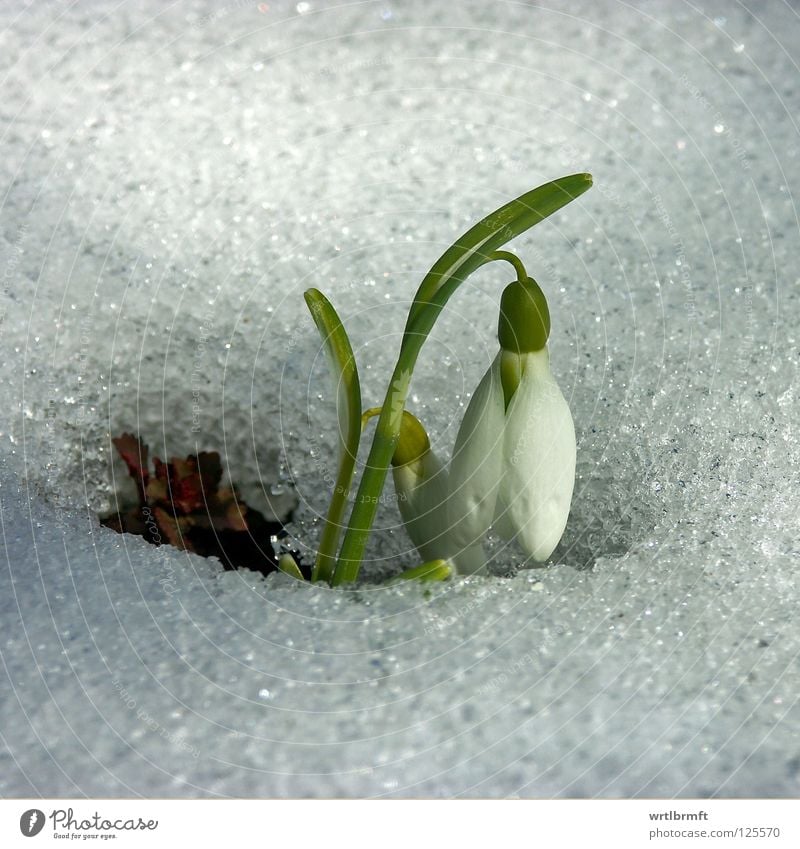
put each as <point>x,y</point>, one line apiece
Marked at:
<point>413,443</point>
<point>421,484</point>
<point>524,324</point>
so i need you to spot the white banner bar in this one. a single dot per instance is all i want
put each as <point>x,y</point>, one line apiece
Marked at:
<point>403,824</point>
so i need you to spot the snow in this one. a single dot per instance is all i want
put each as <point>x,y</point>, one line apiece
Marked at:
<point>174,176</point>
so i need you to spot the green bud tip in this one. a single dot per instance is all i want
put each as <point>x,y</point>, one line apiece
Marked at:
<point>433,570</point>
<point>413,443</point>
<point>287,564</point>
<point>524,323</point>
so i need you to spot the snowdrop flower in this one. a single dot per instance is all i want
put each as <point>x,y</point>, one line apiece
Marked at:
<point>421,484</point>
<point>513,463</point>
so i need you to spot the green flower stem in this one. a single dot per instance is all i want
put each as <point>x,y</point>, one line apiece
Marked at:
<point>514,260</point>
<point>384,442</point>
<point>475,248</point>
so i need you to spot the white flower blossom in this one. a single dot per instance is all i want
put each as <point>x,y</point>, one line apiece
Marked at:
<point>513,465</point>
<point>421,484</point>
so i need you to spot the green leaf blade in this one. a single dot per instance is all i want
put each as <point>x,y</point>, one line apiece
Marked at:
<point>342,362</point>
<point>474,247</point>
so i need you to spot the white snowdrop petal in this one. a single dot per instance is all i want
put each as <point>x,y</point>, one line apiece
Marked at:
<point>421,489</point>
<point>538,462</point>
<point>476,466</point>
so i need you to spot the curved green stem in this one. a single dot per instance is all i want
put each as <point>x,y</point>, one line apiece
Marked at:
<point>514,260</point>
<point>475,248</point>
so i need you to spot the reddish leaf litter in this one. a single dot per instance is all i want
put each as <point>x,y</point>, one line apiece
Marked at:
<point>182,504</point>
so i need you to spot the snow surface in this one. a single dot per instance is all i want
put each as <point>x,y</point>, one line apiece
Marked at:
<point>173,177</point>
